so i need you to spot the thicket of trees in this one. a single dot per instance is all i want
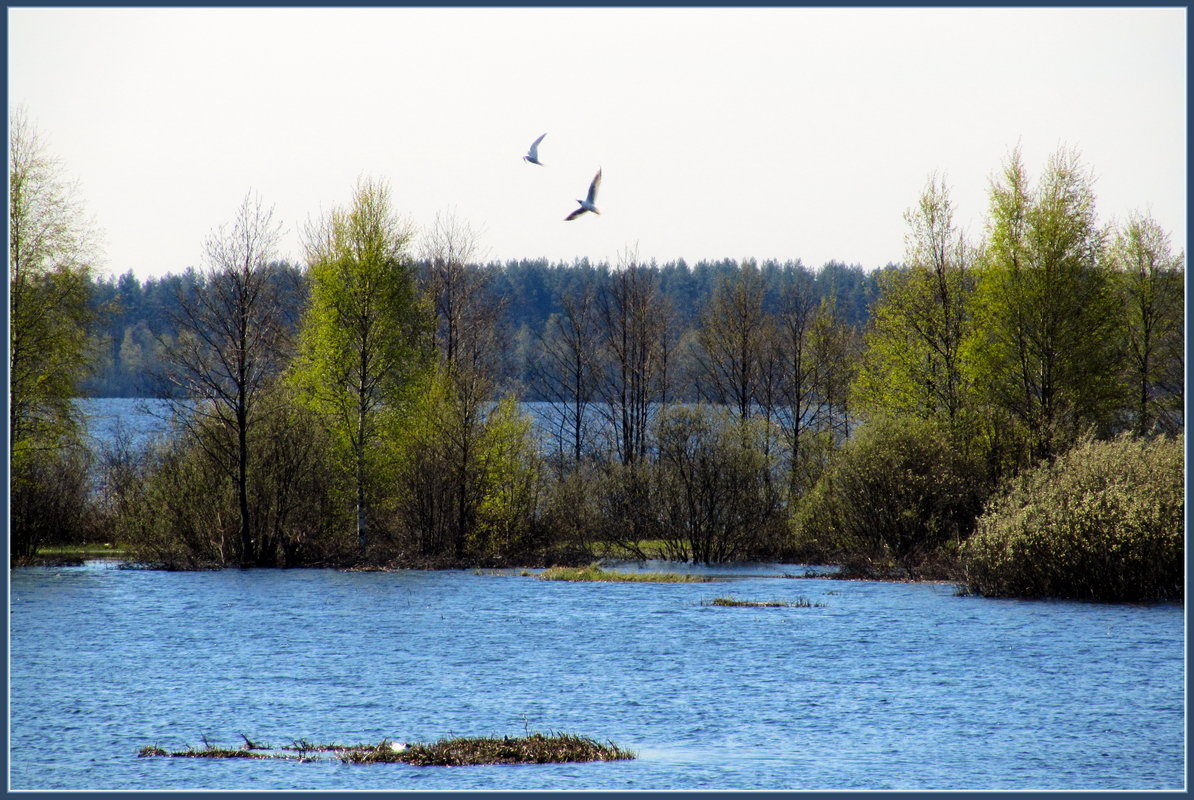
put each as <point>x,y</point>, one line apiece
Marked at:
<point>364,408</point>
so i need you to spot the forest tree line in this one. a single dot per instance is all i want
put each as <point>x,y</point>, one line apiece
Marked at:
<point>135,317</point>
<point>363,409</point>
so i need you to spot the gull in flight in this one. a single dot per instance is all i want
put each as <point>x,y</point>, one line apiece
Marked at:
<point>532,155</point>
<point>588,203</point>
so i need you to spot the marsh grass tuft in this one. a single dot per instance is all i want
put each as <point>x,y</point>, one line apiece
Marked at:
<point>799,602</point>
<point>209,751</point>
<point>536,748</point>
<point>595,573</point>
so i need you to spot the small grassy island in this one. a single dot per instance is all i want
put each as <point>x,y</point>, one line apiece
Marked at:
<point>535,748</point>
<point>594,573</point>
<point>733,602</point>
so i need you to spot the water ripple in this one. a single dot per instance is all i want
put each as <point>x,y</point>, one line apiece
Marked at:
<point>887,686</point>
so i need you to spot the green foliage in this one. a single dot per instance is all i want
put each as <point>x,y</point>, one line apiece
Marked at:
<point>50,501</point>
<point>1102,522</point>
<point>50,256</point>
<point>468,476</point>
<point>1046,321</point>
<point>1151,278</point>
<point>713,493</point>
<point>898,495</point>
<point>913,360</point>
<point>173,506</point>
<point>365,337</point>
<point>507,516</point>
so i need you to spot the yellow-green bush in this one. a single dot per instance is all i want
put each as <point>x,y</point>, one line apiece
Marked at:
<point>1102,522</point>
<point>898,496</point>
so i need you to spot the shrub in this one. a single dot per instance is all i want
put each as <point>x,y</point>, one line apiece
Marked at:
<point>50,501</point>
<point>1102,522</point>
<point>717,488</point>
<point>468,479</point>
<point>899,495</point>
<point>713,494</point>
<point>174,506</point>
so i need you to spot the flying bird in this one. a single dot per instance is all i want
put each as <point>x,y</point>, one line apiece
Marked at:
<point>533,154</point>
<point>588,203</point>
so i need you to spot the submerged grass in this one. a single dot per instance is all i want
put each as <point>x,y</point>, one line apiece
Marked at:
<point>595,573</point>
<point>799,602</point>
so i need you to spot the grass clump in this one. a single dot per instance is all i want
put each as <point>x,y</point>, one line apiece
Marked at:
<point>733,602</point>
<point>536,748</point>
<point>595,573</point>
<point>207,752</point>
<point>1103,522</point>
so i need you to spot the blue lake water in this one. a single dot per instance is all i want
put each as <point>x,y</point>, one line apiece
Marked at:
<point>882,686</point>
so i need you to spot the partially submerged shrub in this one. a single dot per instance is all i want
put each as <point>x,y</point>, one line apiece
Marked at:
<point>1103,522</point>
<point>713,494</point>
<point>898,495</point>
<point>175,507</point>
<point>50,501</point>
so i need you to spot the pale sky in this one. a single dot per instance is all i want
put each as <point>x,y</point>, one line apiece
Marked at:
<point>768,133</point>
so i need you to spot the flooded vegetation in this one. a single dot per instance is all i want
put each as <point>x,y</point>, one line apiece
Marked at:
<point>535,748</point>
<point>733,602</point>
<point>593,572</point>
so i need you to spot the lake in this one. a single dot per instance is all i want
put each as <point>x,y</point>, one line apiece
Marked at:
<point>875,686</point>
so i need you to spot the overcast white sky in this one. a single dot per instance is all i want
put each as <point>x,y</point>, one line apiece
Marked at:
<point>768,133</point>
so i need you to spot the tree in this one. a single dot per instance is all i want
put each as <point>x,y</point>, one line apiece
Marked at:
<point>733,341</point>
<point>231,346</point>
<point>51,254</point>
<point>913,358</point>
<point>364,335</point>
<point>633,322</point>
<point>1045,318</point>
<point>567,369</point>
<point>801,353</point>
<point>1151,277</point>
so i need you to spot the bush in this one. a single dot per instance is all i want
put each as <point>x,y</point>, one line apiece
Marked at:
<point>1103,522</point>
<point>175,506</point>
<point>713,494</point>
<point>468,480</point>
<point>899,495</point>
<point>50,501</point>
<point>717,488</point>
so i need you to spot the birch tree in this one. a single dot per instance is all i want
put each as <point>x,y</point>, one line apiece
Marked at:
<point>364,335</point>
<point>231,346</point>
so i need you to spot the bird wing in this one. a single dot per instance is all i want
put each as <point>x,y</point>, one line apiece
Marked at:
<point>534,151</point>
<point>593,187</point>
<point>575,214</point>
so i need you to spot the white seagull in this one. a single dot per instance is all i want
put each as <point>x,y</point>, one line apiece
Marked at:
<point>588,203</point>
<point>533,154</point>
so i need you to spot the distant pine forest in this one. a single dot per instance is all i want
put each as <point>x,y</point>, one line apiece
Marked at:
<point>137,317</point>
